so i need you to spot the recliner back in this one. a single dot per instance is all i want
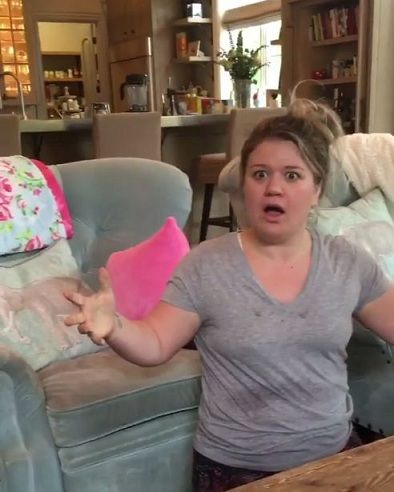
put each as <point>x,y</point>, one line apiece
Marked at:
<point>116,203</point>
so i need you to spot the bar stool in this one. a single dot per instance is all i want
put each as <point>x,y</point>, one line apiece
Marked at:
<point>207,170</point>
<point>10,137</point>
<point>127,135</point>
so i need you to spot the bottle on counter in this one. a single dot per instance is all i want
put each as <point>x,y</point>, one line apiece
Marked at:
<point>172,102</point>
<point>165,108</point>
<point>255,99</point>
<point>193,101</point>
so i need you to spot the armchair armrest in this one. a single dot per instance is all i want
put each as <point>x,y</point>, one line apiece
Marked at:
<point>28,455</point>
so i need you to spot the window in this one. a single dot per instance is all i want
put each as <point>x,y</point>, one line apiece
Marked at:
<point>262,29</point>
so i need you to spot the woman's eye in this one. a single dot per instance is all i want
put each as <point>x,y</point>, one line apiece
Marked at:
<point>292,176</point>
<point>260,174</point>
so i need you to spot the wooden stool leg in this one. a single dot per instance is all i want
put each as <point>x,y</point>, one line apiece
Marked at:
<point>208,194</point>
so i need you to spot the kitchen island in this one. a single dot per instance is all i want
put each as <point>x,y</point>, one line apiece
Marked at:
<point>81,124</point>
<point>64,140</point>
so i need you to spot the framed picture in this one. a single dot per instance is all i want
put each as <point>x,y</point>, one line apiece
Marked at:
<point>272,98</point>
<point>193,48</point>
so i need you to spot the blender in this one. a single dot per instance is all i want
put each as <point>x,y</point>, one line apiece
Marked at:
<point>135,89</point>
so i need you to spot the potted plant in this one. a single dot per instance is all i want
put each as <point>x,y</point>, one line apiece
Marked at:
<point>242,64</point>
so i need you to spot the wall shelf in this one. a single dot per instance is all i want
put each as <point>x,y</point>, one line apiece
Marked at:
<point>341,40</point>
<point>193,59</point>
<point>188,21</point>
<point>61,53</point>
<point>54,79</point>
<point>338,81</point>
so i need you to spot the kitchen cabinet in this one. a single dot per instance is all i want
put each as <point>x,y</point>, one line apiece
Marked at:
<point>128,19</point>
<point>327,40</point>
<point>14,53</point>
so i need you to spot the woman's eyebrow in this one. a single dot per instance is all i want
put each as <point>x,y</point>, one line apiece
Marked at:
<point>289,166</point>
<point>295,167</point>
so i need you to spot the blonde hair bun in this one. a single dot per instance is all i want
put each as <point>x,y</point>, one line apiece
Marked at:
<point>317,113</point>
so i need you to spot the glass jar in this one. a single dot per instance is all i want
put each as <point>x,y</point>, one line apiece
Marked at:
<point>192,9</point>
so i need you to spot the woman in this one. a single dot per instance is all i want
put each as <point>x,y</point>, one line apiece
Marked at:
<point>271,311</point>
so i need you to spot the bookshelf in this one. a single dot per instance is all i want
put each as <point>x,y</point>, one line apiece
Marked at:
<point>340,40</point>
<point>327,40</point>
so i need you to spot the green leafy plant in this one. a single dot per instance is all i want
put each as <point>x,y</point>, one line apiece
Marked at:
<point>241,63</point>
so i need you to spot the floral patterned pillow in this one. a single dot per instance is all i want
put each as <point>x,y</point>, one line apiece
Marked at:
<point>33,209</point>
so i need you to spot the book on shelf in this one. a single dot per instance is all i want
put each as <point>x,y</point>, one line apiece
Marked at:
<point>334,23</point>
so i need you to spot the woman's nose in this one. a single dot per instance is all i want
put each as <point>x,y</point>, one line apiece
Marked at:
<point>274,185</point>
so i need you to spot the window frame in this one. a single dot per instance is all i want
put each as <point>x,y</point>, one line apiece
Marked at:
<point>247,16</point>
<point>252,14</point>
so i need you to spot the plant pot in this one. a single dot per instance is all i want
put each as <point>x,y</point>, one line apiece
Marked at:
<point>241,88</point>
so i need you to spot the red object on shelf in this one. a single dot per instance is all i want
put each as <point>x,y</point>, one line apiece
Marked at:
<point>319,74</point>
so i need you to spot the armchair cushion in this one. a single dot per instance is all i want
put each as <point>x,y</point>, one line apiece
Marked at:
<point>100,394</point>
<point>139,274</point>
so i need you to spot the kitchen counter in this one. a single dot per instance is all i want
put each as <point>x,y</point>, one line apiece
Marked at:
<point>50,126</point>
<point>75,125</point>
<point>193,120</point>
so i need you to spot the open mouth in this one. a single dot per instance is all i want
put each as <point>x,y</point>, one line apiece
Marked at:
<point>274,211</point>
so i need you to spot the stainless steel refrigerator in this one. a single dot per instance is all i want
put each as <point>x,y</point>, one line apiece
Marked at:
<point>132,56</point>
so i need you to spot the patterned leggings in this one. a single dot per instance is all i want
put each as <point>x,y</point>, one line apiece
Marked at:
<point>210,476</point>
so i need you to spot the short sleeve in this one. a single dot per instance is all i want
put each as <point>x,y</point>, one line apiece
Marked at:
<point>373,281</point>
<point>183,288</point>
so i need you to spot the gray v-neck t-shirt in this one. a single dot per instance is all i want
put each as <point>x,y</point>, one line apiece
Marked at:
<point>274,381</point>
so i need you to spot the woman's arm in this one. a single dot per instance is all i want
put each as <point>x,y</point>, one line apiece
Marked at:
<point>156,338</point>
<point>378,316</point>
<point>147,342</point>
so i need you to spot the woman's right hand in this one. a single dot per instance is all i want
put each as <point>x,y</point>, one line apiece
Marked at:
<point>97,316</point>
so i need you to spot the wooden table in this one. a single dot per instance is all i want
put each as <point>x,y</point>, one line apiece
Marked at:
<point>369,468</point>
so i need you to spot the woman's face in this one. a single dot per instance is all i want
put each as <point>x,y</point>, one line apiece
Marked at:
<point>279,190</point>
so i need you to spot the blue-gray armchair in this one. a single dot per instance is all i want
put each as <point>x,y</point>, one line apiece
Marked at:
<point>96,423</point>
